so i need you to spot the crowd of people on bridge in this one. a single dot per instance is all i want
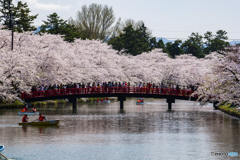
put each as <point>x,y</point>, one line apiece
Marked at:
<point>113,84</point>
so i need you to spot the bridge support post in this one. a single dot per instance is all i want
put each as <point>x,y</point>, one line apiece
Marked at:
<point>74,101</point>
<point>121,99</point>
<point>215,105</point>
<point>170,101</point>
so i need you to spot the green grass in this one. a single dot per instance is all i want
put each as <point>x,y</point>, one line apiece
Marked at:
<point>98,98</point>
<point>229,110</point>
<point>80,100</point>
<point>18,104</point>
<point>39,103</point>
<point>15,104</point>
<point>52,102</point>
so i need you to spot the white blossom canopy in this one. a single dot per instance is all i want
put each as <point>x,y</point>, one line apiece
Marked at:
<point>223,83</point>
<point>47,59</point>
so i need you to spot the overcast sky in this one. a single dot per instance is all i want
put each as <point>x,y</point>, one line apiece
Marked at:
<point>166,18</point>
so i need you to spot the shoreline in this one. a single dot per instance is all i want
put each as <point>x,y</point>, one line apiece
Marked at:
<point>20,105</point>
<point>226,108</point>
<point>14,105</point>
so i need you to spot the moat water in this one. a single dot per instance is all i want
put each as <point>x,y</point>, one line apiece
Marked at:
<point>143,132</point>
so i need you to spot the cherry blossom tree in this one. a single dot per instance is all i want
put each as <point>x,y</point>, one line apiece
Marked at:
<point>47,59</point>
<point>222,85</point>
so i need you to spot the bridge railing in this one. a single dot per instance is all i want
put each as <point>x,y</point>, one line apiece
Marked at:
<point>106,90</point>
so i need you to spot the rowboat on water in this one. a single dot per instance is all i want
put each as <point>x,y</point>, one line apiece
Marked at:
<point>139,103</point>
<point>104,101</point>
<point>28,113</point>
<point>50,122</point>
<point>1,148</point>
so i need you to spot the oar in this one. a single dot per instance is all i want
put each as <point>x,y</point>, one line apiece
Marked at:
<point>3,155</point>
<point>35,120</point>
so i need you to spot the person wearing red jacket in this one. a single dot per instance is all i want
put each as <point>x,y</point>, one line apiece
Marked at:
<point>34,109</point>
<point>25,118</point>
<point>42,117</point>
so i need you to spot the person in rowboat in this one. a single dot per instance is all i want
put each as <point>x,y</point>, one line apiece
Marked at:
<point>42,117</point>
<point>25,109</point>
<point>34,109</point>
<point>25,118</point>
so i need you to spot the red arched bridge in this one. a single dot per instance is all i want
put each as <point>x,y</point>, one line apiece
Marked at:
<point>120,92</point>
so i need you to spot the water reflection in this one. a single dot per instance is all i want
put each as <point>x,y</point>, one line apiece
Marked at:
<point>139,132</point>
<point>41,129</point>
<point>122,111</point>
<point>74,110</point>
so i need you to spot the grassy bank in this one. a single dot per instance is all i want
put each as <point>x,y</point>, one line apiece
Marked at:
<point>227,108</point>
<point>12,105</point>
<point>98,98</point>
<point>18,104</point>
